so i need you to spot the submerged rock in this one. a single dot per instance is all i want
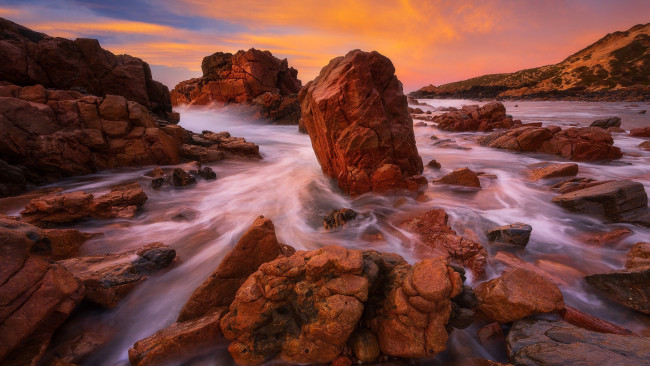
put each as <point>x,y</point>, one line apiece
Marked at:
<point>338,218</point>
<point>434,164</point>
<point>544,342</point>
<point>109,278</point>
<point>357,118</point>
<point>461,177</point>
<point>517,234</point>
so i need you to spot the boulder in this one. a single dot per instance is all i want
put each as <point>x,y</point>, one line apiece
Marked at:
<point>252,77</point>
<point>474,118</point>
<point>434,164</point>
<point>544,342</point>
<point>338,218</point>
<point>616,201</point>
<point>640,132</point>
<point>578,144</point>
<point>461,177</point>
<point>109,278</point>
<point>554,171</point>
<point>36,296</point>
<point>258,245</point>
<point>65,243</point>
<point>517,294</point>
<point>435,233</point>
<point>181,178</point>
<point>357,118</point>
<point>517,234</point>
<point>30,58</point>
<point>606,123</point>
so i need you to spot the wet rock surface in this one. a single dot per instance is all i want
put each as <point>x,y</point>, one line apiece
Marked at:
<point>357,118</point>
<point>517,234</point>
<point>337,218</point>
<point>607,123</point>
<point>109,278</point>
<point>554,171</point>
<point>461,177</point>
<point>544,342</point>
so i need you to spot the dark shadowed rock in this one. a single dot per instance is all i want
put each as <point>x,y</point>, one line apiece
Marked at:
<point>607,123</point>
<point>543,342</point>
<point>357,118</point>
<point>517,234</point>
<point>182,178</point>
<point>627,287</point>
<point>616,201</point>
<point>434,164</point>
<point>338,218</point>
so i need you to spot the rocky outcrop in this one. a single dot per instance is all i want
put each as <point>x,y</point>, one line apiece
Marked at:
<point>51,210</point>
<point>461,177</point>
<point>606,123</point>
<point>109,278</point>
<point>30,58</point>
<point>252,77</point>
<point>544,342</point>
<point>474,118</point>
<point>554,171</point>
<point>304,308</point>
<point>65,243</point>
<point>578,144</point>
<point>258,245</point>
<point>616,201</point>
<point>437,234</point>
<point>36,296</point>
<point>357,118</point>
<point>517,294</point>
<point>517,234</point>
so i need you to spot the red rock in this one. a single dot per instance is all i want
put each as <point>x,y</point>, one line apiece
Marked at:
<point>638,258</point>
<point>489,332</point>
<point>461,177</point>
<point>435,233</point>
<point>357,119</point>
<point>574,184</point>
<point>640,132</point>
<point>342,361</point>
<point>517,294</point>
<point>258,245</point>
<point>65,243</point>
<point>365,346</point>
<point>475,118</point>
<point>611,237</point>
<point>590,322</point>
<point>554,171</point>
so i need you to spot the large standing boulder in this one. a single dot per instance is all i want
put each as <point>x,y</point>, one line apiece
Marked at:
<point>615,201</point>
<point>357,118</point>
<point>252,77</point>
<point>28,58</point>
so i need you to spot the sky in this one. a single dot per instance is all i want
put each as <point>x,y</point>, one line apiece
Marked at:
<point>428,41</point>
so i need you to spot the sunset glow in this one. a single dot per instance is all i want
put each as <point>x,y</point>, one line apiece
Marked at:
<point>428,41</point>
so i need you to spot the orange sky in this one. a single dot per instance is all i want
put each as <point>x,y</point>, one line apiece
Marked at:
<point>428,41</point>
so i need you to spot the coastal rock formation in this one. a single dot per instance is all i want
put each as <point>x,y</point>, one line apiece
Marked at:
<point>578,144</point>
<point>51,210</point>
<point>258,245</point>
<point>252,77</point>
<point>109,278</point>
<point>474,118</point>
<point>36,295</point>
<point>544,342</point>
<point>304,308</point>
<point>615,201</point>
<point>30,58</point>
<point>437,234</point>
<point>357,118</point>
<point>461,177</point>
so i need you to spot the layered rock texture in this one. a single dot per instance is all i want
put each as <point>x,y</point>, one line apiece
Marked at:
<point>251,77</point>
<point>616,67</point>
<point>30,58</point>
<point>357,118</point>
<point>578,144</point>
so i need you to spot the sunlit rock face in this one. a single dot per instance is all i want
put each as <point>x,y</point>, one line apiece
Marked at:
<point>357,118</point>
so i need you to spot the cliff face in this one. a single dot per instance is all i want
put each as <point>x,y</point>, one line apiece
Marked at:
<point>29,58</point>
<point>616,67</point>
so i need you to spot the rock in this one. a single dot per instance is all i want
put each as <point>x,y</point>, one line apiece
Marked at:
<point>615,130</point>
<point>207,173</point>
<point>617,201</point>
<point>517,294</point>
<point>304,308</point>
<point>122,201</point>
<point>610,237</point>
<point>434,164</point>
<point>31,58</point>
<point>357,118</point>
<point>65,243</point>
<point>517,234</point>
<point>512,262</point>
<point>554,171</point>
<point>258,245</point>
<point>435,233</point>
<point>365,345</point>
<point>544,342</point>
<point>461,177</point>
<point>181,178</point>
<point>342,361</point>
<point>645,145</point>
<point>338,218</point>
<point>590,322</point>
<point>642,111</point>
<point>640,132</point>
<point>638,258</point>
<point>576,183</point>
<point>578,144</point>
<point>629,287</point>
<point>490,332</point>
<point>179,341</point>
<point>607,123</point>
<point>37,296</point>
<point>475,118</point>
<point>252,77</point>
<point>185,214</point>
<point>109,278</point>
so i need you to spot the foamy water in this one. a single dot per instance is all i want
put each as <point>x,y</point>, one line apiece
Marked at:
<point>288,187</point>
